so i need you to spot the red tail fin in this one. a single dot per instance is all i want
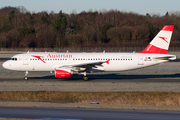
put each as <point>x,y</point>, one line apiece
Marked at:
<point>160,43</point>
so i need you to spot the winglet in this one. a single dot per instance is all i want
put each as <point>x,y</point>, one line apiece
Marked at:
<point>160,43</point>
<point>107,61</point>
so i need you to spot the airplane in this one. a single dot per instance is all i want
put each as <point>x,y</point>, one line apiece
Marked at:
<point>67,64</point>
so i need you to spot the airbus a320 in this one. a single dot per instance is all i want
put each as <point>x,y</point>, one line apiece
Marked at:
<point>66,64</point>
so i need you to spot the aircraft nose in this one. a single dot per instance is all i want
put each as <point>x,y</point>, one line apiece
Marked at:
<point>5,65</point>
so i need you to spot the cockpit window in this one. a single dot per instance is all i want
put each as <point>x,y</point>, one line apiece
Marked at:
<point>14,59</point>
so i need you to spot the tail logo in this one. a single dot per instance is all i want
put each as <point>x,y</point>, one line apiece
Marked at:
<point>164,38</point>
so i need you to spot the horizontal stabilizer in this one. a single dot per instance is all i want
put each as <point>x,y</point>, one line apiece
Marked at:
<point>173,57</point>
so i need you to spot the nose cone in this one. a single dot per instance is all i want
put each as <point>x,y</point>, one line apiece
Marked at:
<point>5,65</point>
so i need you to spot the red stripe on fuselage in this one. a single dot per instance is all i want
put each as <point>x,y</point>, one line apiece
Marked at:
<point>38,57</point>
<point>153,49</point>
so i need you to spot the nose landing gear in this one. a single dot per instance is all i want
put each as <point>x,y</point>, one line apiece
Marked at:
<point>26,77</point>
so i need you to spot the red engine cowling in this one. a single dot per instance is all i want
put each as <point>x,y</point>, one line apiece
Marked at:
<point>62,73</point>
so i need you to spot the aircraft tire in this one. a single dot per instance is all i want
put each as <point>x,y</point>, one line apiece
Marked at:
<point>85,78</point>
<point>26,78</point>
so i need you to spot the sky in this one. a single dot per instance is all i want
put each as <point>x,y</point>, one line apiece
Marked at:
<point>68,6</point>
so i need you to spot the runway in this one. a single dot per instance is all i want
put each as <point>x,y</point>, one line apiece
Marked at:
<point>86,114</point>
<point>142,80</point>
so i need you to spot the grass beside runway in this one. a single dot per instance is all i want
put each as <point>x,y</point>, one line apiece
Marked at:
<point>108,98</point>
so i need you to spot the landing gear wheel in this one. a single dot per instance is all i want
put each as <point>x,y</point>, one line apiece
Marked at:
<point>85,78</point>
<point>26,74</point>
<point>25,77</point>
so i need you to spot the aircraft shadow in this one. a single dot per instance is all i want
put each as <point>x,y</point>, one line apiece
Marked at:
<point>110,76</point>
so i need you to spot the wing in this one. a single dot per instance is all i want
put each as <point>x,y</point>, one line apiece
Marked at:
<point>86,66</point>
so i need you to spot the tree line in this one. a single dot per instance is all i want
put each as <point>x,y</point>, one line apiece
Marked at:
<point>20,28</point>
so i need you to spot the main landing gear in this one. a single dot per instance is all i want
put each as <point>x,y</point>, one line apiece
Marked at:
<point>26,77</point>
<point>85,78</point>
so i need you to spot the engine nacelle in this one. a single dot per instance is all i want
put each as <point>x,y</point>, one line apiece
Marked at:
<point>62,73</point>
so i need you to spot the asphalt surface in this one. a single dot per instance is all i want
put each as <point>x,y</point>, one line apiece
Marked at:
<point>149,80</point>
<point>86,114</point>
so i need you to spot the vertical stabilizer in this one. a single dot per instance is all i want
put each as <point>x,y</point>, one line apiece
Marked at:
<point>160,43</point>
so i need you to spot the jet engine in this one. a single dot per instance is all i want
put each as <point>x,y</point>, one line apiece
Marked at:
<point>63,73</point>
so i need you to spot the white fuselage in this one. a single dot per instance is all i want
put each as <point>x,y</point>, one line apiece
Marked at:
<point>52,60</point>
